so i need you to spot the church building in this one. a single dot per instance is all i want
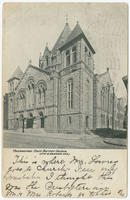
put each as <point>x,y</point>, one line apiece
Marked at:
<point>62,94</point>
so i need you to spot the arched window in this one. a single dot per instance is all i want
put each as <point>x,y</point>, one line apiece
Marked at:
<point>41,90</point>
<point>67,57</point>
<point>87,95</point>
<point>74,54</point>
<point>111,103</point>
<point>11,105</point>
<point>102,100</point>
<point>86,55</point>
<point>30,93</point>
<point>21,100</point>
<point>70,93</point>
<point>41,93</point>
<point>47,60</point>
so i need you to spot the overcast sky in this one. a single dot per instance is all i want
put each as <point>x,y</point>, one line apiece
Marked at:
<point>27,27</point>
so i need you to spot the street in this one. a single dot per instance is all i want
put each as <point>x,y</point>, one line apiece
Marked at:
<point>14,139</point>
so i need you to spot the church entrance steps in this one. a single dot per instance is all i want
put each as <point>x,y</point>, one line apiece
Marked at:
<point>35,131</point>
<point>42,133</point>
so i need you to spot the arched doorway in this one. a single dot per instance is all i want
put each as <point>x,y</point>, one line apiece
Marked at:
<point>42,120</point>
<point>30,121</point>
<point>21,121</point>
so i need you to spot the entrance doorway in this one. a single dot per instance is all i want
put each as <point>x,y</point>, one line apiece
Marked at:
<point>20,125</point>
<point>87,121</point>
<point>30,121</point>
<point>42,120</point>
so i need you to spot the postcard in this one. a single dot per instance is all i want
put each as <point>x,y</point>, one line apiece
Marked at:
<point>65,88</point>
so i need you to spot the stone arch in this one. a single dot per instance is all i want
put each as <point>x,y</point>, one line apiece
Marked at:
<point>30,115</point>
<point>30,80</point>
<point>42,82</point>
<point>41,114</point>
<point>21,116</point>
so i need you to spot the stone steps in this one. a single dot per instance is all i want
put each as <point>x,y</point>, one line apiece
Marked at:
<point>32,130</point>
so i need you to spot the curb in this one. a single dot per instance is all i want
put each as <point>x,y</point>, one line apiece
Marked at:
<point>114,143</point>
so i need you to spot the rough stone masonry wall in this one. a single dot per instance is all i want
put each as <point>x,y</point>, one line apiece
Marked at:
<point>50,99</point>
<point>65,112</point>
<point>87,99</point>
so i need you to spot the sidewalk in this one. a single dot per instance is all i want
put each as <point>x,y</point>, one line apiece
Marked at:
<point>80,139</point>
<point>48,135</point>
<point>116,141</point>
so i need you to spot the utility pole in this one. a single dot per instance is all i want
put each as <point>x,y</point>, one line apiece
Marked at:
<point>23,124</point>
<point>108,107</point>
<point>113,108</point>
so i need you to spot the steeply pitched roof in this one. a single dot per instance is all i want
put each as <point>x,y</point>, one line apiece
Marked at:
<point>77,31</point>
<point>125,80</point>
<point>46,51</point>
<point>62,38</point>
<point>34,67</point>
<point>17,74</point>
<point>105,77</point>
<point>74,33</point>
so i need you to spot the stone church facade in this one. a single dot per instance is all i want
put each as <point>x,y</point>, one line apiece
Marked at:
<point>62,94</point>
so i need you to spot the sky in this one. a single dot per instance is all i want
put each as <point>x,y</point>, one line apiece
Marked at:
<point>27,27</point>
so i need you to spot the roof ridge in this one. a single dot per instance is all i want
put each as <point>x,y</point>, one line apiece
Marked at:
<point>17,73</point>
<point>76,32</point>
<point>37,68</point>
<point>66,31</point>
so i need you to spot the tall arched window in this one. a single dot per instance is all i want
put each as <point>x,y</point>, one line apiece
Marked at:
<point>87,95</point>
<point>30,93</point>
<point>67,57</point>
<point>41,91</point>
<point>74,54</point>
<point>11,105</point>
<point>102,100</point>
<point>86,55</point>
<point>70,93</point>
<point>111,103</point>
<point>21,100</point>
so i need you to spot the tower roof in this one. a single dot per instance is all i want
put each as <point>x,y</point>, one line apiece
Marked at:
<point>105,77</point>
<point>17,74</point>
<point>62,38</point>
<point>46,51</point>
<point>76,32</point>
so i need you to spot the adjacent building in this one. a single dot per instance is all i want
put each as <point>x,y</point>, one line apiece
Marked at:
<point>125,123</point>
<point>5,111</point>
<point>63,94</point>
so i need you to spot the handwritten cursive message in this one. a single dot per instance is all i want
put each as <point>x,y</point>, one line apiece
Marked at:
<point>64,173</point>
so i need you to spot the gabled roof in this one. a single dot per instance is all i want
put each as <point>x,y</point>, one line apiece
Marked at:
<point>46,51</point>
<point>125,80</point>
<point>76,32</point>
<point>17,74</point>
<point>105,77</point>
<point>34,67</point>
<point>62,38</point>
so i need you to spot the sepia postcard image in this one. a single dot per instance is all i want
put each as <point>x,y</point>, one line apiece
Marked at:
<point>65,100</point>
